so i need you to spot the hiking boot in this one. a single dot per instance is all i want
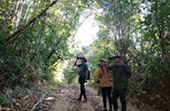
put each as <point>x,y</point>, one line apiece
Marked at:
<point>79,99</point>
<point>85,99</point>
<point>104,109</point>
<point>110,110</point>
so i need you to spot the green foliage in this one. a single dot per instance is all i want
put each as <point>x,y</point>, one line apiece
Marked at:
<point>70,73</point>
<point>4,100</point>
<point>41,40</point>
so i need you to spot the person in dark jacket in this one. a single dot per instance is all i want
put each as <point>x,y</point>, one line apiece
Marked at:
<point>121,74</point>
<point>83,76</point>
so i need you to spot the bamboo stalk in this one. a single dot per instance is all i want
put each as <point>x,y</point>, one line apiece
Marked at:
<point>16,35</point>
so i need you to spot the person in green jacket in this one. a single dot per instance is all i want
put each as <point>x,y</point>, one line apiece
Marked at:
<point>121,74</point>
<point>83,76</point>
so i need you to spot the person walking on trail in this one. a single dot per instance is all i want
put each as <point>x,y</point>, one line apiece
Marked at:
<point>105,84</point>
<point>121,74</point>
<point>83,76</point>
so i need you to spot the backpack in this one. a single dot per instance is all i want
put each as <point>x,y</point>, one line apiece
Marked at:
<point>89,74</point>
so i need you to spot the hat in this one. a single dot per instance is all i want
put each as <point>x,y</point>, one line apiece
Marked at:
<point>117,56</point>
<point>102,60</point>
<point>84,59</point>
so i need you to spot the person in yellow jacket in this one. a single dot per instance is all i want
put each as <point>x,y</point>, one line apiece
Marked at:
<point>105,84</point>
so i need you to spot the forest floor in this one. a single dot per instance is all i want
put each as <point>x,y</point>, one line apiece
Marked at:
<point>66,100</point>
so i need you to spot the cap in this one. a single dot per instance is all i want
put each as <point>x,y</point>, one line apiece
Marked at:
<point>84,59</point>
<point>102,60</point>
<point>117,56</point>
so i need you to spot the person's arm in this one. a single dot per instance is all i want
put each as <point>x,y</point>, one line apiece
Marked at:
<point>86,75</point>
<point>75,63</point>
<point>128,72</point>
<point>109,68</point>
<point>86,70</point>
<point>107,65</point>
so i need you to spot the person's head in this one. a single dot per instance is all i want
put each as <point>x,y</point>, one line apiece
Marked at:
<point>117,59</point>
<point>103,62</point>
<point>83,60</point>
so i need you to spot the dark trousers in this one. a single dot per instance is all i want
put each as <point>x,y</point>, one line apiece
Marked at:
<point>122,94</point>
<point>106,92</point>
<point>82,88</point>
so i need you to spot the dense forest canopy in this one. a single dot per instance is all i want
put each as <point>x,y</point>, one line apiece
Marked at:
<point>36,35</point>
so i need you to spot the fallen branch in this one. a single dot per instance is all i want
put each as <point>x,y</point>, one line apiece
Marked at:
<point>39,101</point>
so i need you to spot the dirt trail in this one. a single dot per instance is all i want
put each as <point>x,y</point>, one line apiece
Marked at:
<point>66,100</point>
